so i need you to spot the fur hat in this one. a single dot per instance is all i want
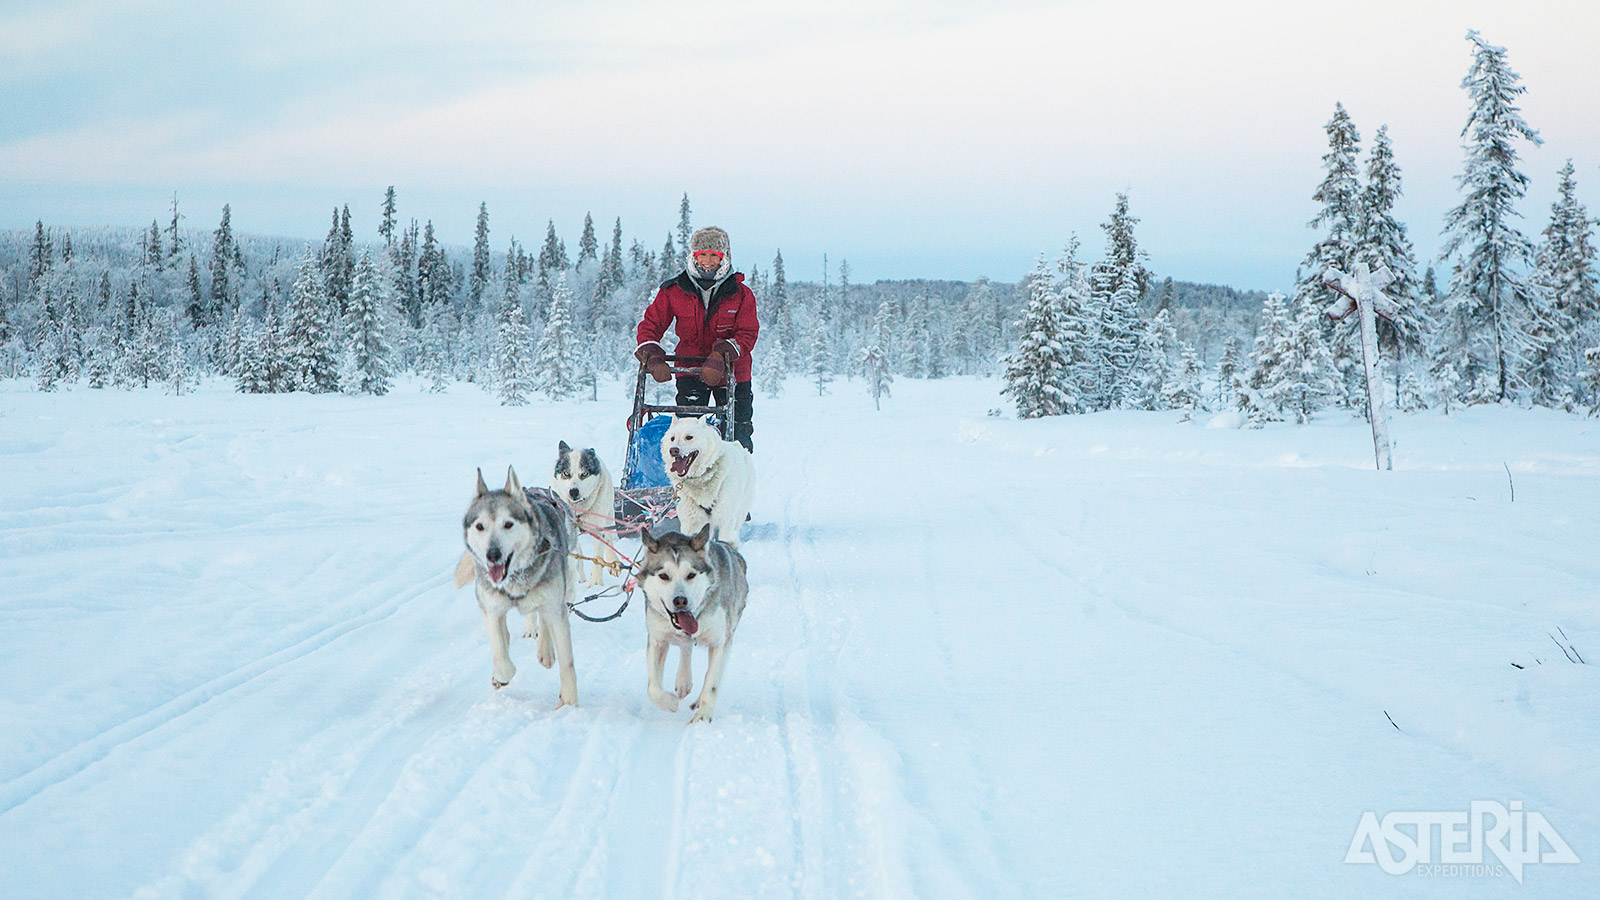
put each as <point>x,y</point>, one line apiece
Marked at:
<point>709,238</point>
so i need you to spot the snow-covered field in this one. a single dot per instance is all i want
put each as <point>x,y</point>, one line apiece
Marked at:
<point>1104,656</point>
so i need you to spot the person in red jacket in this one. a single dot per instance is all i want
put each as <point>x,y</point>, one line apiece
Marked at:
<point>715,317</point>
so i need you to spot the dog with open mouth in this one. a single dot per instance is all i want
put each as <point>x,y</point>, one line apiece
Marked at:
<point>518,542</point>
<point>583,481</point>
<point>695,590</point>
<point>713,479</point>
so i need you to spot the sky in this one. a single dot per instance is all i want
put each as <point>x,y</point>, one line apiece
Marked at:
<point>914,140</point>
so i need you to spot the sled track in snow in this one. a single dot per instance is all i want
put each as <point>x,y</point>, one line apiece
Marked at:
<point>84,755</point>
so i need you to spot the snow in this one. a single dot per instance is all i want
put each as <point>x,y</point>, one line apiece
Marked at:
<point>1088,656</point>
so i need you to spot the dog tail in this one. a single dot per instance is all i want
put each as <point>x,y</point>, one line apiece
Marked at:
<point>465,571</point>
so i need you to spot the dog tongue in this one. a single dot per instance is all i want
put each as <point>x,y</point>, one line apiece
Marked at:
<point>685,622</point>
<point>497,572</point>
<point>680,465</point>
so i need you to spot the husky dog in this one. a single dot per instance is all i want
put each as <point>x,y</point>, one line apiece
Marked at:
<point>714,479</point>
<point>581,479</point>
<point>694,591</point>
<point>518,543</point>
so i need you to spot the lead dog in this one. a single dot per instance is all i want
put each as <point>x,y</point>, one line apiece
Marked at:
<point>518,543</point>
<point>581,479</point>
<point>714,479</point>
<point>694,591</point>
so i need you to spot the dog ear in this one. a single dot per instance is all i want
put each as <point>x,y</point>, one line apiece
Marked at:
<point>589,462</point>
<point>701,538</point>
<point>482,488</point>
<point>651,545</point>
<point>563,449</point>
<point>513,486</point>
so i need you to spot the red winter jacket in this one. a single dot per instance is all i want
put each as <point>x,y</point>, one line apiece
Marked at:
<point>732,315</point>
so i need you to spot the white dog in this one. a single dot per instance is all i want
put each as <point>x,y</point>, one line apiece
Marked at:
<point>713,479</point>
<point>581,479</point>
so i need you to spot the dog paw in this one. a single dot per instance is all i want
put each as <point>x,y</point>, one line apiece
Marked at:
<point>702,714</point>
<point>502,675</point>
<point>682,688</point>
<point>664,701</point>
<point>532,631</point>
<point>564,700</point>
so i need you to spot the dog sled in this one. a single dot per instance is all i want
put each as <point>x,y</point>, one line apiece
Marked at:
<point>644,495</point>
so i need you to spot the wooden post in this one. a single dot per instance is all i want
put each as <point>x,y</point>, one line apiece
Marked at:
<point>1363,291</point>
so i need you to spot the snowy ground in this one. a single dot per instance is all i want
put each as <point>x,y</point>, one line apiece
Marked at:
<point>1103,656</point>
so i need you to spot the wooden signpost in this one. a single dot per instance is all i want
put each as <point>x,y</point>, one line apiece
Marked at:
<point>1362,293</point>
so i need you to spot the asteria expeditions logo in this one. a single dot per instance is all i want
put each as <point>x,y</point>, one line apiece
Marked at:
<point>1404,841</point>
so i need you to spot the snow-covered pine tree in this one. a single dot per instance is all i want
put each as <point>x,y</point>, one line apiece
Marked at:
<point>611,275</point>
<point>309,353</point>
<point>368,348</point>
<point>770,367</point>
<point>875,367</point>
<point>1384,243</point>
<point>1342,216</point>
<point>1488,283</point>
<point>1591,376</point>
<point>1267,363</point>
<point>553,260</point>
<point>1118,341</point>
<point>1306,377</point>
<point>588,244</point>
<point>821,358</point>
<point>1157,361</point>
<point>1183,390</point>
<point>1569,299</point>
<point>1227,369</point>
<point>777,317</point>
<point>1078,323</point>
<point>1115,286</point>
<point>512,360</point>
<point>671,262</point>
<point>223,252</point>
<point>685,229</point>
<point>479,281</point>
<point>1038,372</point>
<point>914,340</point>
<point>556,361</point>
<point>433,349</point>
<point>387,222</point>
<point>198,309</point>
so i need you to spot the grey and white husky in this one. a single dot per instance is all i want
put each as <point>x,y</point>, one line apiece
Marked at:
<point>518,543</point>
<point>694,590</point>
<point>581,479</point>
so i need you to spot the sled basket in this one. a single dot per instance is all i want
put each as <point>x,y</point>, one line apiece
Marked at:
<point>644,495</point>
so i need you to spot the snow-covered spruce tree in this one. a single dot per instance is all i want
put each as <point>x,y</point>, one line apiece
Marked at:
<point>479,280</point>
<point>223,253</point>
<point>1591,376</point>
<point>1038,372</point>
<point>556,361</point>
<point>685,228</point>
<point>776,316</point>
<point>1227,368</point>
<point>1384,243</point>
<point>1306,377</point>
<point>553,260</point>
<point>1342,216</point>
<point>512,361</point>
<point>875,368</point>
<point>1267,362</point>
<point>1078,323</point>
<point>914,340</point>
<point>1488,286</point>
<point>1116,285</point>
<point>369,350</point>
<point>770,366</point>
<point>1157,361</point>
<point>433,347</point>
<point>309,353</point>
<point>588,244</point>
<point>821,360</point>
<point>1568,299</point>
<point>1183,390</point>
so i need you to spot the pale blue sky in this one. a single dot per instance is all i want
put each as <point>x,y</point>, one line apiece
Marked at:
<point>945,140</point>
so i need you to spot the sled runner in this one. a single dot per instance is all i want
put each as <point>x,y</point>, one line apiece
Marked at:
<point>644,496</point>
